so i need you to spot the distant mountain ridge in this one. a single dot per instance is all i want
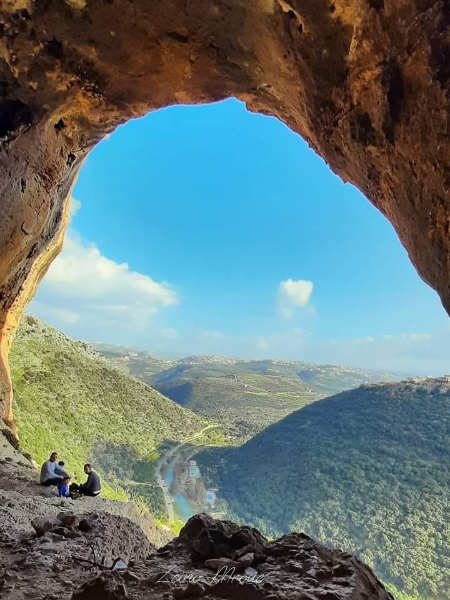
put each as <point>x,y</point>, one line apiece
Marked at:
<point>209,359</point>
<point>245,395</point>
<point>138,363</point>
<point>305,370</point>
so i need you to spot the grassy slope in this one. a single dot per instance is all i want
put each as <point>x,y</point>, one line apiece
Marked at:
<point>366,470</point>
<point>71,399</point>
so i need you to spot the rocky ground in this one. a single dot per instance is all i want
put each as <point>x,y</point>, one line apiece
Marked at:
<point>62,549</point>
<point>19,486</point>
<point>218,559</point>
<point>41,555</point>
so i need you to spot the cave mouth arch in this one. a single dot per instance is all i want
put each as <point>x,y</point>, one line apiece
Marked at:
<point>217,209</point>
<point>364,85</point>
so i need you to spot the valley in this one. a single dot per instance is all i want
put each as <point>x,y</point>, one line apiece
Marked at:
<point>260,442</point>
<point>245,396</point>
<point>214,195</point>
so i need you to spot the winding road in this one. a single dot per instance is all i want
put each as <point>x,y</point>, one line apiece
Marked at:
<point>168,499</point>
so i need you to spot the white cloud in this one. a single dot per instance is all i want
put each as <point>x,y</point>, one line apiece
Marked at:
<point>65,316</point>
<point>410,337</point>
<point>74,207</point>
<point>294,294</point>
<point>211,335</point>
<point>410,353</point>
<point>416,337</point>
<point>262,343</point>
<point>169,333</point>
<point>83,283</point>
<point>278,344</point>
<point>413,337</point>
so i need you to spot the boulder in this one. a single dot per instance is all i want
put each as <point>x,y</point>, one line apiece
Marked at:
<point>43,524</point>
<point>195,590</point>
<point>85,525</point>
<point>217,564</point>
<point>68,519</point>
<point>103,587</point>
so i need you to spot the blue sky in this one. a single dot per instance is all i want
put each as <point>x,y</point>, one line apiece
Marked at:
<point>208,229</point>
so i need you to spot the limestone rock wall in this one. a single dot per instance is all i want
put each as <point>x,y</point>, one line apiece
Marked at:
<point>365,82</point>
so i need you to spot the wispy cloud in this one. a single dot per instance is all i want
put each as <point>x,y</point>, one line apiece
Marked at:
<point>74,207</point>
<point>211,335</point>
<point>413,337</point>
<point>409,352</point>
<point>294,294</point>
<point>416,337</point>
<point>65,316</point>
<point>168,333</point>
<point>262,343</point>
<point>92,297</point>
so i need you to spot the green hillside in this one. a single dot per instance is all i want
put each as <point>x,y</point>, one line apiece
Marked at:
<point>366,470</point>
<point>244,403</point>
<point>138,363</point>
<point>248,395</point>
<point>243,395</point>
<point>70,399</point>
<point>328,379</point>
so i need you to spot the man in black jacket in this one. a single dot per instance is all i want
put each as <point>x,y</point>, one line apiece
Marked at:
<point>91,487</point>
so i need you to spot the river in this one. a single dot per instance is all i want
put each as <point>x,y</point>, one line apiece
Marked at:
<point>184,507</point>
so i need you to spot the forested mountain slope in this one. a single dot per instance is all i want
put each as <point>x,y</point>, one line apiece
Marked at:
<point>244,403</point>
<point>366,470</point>
<point>248,395</point>
<point>70,399</point>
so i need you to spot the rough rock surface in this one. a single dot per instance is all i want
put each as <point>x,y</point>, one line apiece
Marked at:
<point>204,561</point>
<point>215,559</point>
<point>53,548</point>
<point>365,83</point>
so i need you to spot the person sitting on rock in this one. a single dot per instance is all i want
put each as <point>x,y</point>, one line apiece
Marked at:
<point>63,487</point>
<point>91,487</point>
<point>50,472</point>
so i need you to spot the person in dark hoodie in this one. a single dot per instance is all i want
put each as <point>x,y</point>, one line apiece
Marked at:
<point>92,486</point>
